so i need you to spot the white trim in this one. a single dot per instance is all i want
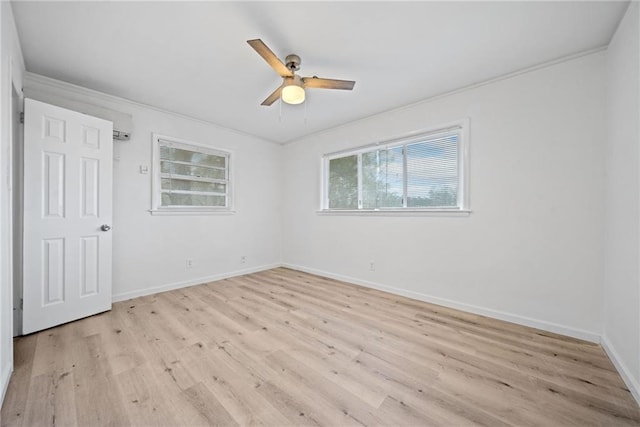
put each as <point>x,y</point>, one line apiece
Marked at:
<point>631,383</point>
<point>359,178</point>
<point>395,212</point>
<point>442,95</point>
<point>16,245</point>
<point>70,87</point>
<point>464,166</point>
<point>405,177</point>
<point>401,139</point>
<point>324,191</point>
<point>156,187</point>
<point>460,128</point>
<point>4,381</point>
<point>187,144</point>
<point>495,314</point>
<point>191,282</point>
<point>190,211</point>
<point>59,84</point>
<point>9,191</point>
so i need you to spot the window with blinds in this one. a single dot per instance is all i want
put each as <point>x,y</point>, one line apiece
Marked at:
<point>189,176</point>
<point>424,172</point>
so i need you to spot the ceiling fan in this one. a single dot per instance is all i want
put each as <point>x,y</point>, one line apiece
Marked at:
<point>292,89</point>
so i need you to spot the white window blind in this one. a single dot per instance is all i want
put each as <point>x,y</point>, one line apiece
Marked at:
<point>425,172</point>
<point>432,172</point>
<point>190,176</point>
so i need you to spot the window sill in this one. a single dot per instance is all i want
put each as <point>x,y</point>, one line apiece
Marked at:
<point>172,212</point>
<point>395,212</point>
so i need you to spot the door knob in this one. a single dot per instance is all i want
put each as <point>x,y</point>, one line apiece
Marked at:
<point>105,227</point>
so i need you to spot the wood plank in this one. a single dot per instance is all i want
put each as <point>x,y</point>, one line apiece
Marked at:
<point>24,351</point>
<point>282,347</point>
<point>144,400</point>
<point>201,398</point>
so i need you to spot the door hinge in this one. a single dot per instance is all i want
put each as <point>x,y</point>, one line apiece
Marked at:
<point>21,303</point>
<point>22,117</point>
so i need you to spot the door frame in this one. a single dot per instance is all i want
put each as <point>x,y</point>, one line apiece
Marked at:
<point>16,141</point>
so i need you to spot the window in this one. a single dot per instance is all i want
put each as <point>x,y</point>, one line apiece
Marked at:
<point>189,177</point>
<point>424,172</point>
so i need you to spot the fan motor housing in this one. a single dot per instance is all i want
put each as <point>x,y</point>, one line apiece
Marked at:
<point>293,62</point>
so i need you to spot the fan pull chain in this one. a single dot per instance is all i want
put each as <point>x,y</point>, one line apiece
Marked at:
<point>305,110</point>
<point>280,117</point>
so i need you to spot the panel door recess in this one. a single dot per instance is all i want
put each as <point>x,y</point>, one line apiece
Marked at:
<point>67,185</point>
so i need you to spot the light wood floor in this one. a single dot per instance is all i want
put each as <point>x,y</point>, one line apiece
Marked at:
<point>287,348</point>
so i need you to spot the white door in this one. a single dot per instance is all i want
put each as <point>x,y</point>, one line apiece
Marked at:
<point>67,215</point>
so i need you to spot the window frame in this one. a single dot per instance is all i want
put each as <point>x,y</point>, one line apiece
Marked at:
<point>462,208</point>
<point>156,185</point>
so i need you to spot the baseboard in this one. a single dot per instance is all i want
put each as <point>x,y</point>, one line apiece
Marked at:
<point>4,381</point>
<point>191,282</point>
<point>623,370</point>
<point>495,314</point>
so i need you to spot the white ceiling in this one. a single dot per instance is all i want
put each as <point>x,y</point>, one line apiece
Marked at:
<point>192,57</point>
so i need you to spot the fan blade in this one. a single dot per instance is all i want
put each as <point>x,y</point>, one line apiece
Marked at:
<point>318,83</point>
<point>271,58</point>
<point>272,98</point>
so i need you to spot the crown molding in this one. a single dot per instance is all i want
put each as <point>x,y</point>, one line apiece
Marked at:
<point>48,82</point>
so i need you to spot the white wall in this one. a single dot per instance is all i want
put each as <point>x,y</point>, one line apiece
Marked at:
<point>531,250</point>
<point>150,252</point>
<point>11,72</point>
<point>621,336</point>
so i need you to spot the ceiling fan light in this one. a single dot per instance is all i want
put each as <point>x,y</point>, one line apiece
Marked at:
<point>293,92</point>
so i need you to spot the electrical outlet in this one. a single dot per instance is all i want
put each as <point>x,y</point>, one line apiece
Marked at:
<point>189,263</point>
<point>243,259</point>
<point>372,266</point>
